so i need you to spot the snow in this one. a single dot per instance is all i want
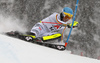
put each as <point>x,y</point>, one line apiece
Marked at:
<point>13,50</point>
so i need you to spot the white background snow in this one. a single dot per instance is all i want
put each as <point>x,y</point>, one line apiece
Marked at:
<point>13,50</point>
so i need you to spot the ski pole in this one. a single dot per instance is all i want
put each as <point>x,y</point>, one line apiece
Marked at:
<point>72,23</point>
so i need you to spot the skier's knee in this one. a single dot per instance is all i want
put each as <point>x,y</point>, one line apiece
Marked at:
<point>51,37</point>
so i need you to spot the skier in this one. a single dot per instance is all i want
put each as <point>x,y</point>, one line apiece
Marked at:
<point>52,26</point>
<point>49,28</point>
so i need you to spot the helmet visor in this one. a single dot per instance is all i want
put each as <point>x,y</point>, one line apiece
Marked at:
<point>67,16</point>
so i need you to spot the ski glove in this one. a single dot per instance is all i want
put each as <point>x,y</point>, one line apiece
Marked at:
<point>75,24</point>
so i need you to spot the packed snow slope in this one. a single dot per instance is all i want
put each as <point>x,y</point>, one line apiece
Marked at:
<point>13,50</point>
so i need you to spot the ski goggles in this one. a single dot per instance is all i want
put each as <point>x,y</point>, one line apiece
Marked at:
<point>67,15</point>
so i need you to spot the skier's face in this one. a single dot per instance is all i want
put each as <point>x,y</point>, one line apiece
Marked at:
<point>66,18</point>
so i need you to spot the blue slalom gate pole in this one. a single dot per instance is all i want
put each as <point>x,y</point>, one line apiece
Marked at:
<point>72,23</point>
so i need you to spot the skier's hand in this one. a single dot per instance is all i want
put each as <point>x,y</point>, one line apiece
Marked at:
<point>75,24</point>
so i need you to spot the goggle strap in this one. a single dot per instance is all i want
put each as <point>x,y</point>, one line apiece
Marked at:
<point>63,14</point>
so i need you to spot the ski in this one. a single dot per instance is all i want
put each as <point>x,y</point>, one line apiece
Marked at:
<point>38,41</point>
